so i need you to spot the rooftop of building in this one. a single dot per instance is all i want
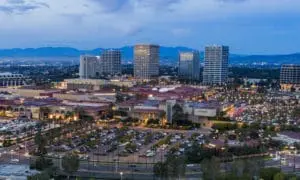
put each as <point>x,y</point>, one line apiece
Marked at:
<point>207,104</point>
<point>290,134</point>
<point>291,65</point>
<point>146,44</point>
<point>148,111</point>
<point>9,74</point>
<point>166,93</point>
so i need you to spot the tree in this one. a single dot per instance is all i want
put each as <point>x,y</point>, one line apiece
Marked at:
<point>173,167</point>
<point>40,176</point>
<point>69,114</point>
<point>41,163</point>
<point>177,113</point>
<point>41,142</point>
<point>153,121</point>
<point>44,112</point>
<point>7,142</point>
<point>197,153</point>
<point>148,138</point>
<point>253,166</point>
<point>238,167</point>
<point>269,173</point>
<point>293,89</point>
<point>296,112</point>
<point>80,112</point>
<point>160,170</point>
<point>210,168</point>
<point>230,176</point>
<point>179,117</point>
<point>261,89</point>
<point>293,178</point>
<point>176,166</point>
<point>70,163</point>
<point>279,176</point>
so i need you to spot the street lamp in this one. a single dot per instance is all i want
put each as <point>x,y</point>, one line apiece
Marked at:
<point>121,174</point>
<point>11,155</point>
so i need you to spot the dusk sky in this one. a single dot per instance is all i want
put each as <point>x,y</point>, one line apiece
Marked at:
<point>247,26</point>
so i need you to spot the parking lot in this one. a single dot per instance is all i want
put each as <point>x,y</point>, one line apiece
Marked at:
<point>117,144</point>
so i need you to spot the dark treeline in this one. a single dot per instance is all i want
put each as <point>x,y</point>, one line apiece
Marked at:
<point>259,73</point>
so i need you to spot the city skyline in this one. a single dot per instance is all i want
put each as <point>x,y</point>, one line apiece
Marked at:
<point>150,89</point>
<point>89,24</point>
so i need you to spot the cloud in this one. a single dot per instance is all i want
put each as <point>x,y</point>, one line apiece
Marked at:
<point>133,5</point>
<point>16,1</point>
<point>76,18</point>
<point>113,22</point>
<point>110,5</point>
<point>181,31</point>
<point>232,1</point>
<point>132,30</point>
<point>20,6</point>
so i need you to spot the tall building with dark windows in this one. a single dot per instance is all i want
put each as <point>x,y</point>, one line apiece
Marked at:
<point>290,74</point>
<point>111,62</point>
<point>290,77</point>
<point>189,65</point>
<point>216,65</point>
<point>146,61</point>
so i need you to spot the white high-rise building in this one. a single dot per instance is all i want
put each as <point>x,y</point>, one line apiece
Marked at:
<point>189,67</point>
<point>146,61</point>
<point>216,65</point>
<point>89,66</point>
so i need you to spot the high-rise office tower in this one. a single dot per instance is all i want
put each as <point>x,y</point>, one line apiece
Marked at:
<point>290,77</point>
<point>146,61</point>
<point>111,62</point>
<point>88,66</point>
<point>189,65</point>
<point>216,65</point>
<point>290,74</point>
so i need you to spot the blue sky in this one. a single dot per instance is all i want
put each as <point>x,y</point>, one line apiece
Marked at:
<point>247,26</point>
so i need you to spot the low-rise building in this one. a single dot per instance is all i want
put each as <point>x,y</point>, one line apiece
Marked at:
<point>12,80</point>
<point>94,84</point>
<point>100,96</point>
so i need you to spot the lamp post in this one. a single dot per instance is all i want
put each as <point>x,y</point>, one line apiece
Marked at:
<point>121,174</point>
<point>11,155</point>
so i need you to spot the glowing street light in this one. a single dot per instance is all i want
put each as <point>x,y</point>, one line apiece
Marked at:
<point>121,174</point>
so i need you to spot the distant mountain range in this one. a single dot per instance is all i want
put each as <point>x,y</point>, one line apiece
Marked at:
<point>169,55</point>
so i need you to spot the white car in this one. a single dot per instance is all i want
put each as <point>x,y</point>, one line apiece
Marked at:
<point>15,160</point>
<point>151,154</point>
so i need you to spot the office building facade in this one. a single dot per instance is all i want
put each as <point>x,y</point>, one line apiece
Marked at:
<point>290,77</point>
<point>216,65</point>
<point>290,74</point>
<point>189,65</point>
<point>111,62</point>
<point>12,80</point>
<point>146,61</point>
<point>89,66</point>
